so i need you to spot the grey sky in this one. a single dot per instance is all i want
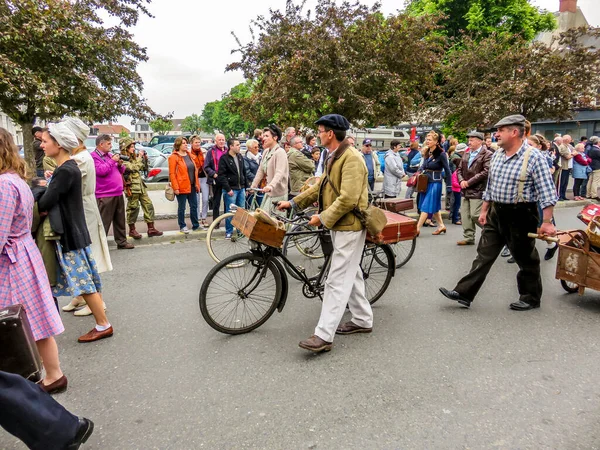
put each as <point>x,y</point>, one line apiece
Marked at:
<point>189,43</point>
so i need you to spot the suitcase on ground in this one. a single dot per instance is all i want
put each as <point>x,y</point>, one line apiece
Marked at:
<point>396,204</point>
<point>18,351</point>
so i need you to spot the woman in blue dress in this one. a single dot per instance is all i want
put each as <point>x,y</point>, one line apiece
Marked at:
<point>437,169</point>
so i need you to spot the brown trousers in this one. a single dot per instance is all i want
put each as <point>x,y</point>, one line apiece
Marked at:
<point>112,211</point>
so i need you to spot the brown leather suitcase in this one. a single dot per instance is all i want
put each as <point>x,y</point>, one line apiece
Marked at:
<point>396,204</point>
<point>398,228</point>
<point>18,351</point>
<point>422,182</point>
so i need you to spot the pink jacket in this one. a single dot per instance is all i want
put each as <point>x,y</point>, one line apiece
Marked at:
<point>455,183</point>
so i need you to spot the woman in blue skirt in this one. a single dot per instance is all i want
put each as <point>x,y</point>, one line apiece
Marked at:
<point>437,169</point>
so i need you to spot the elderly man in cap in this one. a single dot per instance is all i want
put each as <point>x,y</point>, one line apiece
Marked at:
<point>342,187</point>
<point>472,172</point>
<point>372,162</point>
<point>518,179</point>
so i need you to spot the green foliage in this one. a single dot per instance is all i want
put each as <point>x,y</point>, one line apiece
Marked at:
<point>347,58</point>
<point>490,79</point>
<point>161,125</point>
<point>57,57</point>
<point>192,124</point>
<point>123,134</point>
<point>481,18</point>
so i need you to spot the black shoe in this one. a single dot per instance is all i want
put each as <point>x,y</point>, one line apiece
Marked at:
<point>510,260</point>
<point>453,295</point>
<point>550,253</point>
<point>505,252</point>
<point>84,431</point>
<point>523,306</point>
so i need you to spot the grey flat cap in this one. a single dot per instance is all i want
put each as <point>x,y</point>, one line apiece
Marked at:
<point>476,134</point>
<point>461,147</point>
<point>515,119</point>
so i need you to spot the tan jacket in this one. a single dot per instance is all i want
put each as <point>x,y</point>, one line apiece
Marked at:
<point>565,155</point>
<point>277,171</point>
<point>301,169</point>
<point>348,173</point>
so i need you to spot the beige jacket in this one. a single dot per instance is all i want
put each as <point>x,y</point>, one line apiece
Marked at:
<point>565,155</point>
<point>273,165</point>
<point>348,173</point>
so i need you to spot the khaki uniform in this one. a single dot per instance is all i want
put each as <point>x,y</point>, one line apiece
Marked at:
<point>139,195</point>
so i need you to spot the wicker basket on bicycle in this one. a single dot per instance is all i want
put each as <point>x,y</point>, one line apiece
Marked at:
<point>255,227</point>
<point>398,228</point>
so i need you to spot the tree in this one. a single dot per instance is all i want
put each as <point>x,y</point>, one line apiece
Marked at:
<point>489,79</point>
<point>225,115</point>
<point>123,134</point>
<point>192,124</point>
<point>162,124</point>
<point>348,59</point>
<point>481,18</point>
<point>57,57</point>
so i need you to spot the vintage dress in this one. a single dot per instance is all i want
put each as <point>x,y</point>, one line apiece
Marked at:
<point>99,246</point>
<point>23,278</point>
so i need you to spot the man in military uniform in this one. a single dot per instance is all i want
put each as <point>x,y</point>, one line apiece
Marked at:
<point>136,191</point>
<point>342,187</point>
<point>518,179</point>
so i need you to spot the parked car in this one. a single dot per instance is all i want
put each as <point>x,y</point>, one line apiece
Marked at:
<point>151,152</point>
<point>166,139</point>
<point>164,148</point>
<point>159,171</point>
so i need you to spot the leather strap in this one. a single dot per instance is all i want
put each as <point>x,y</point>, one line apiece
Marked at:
<point>523,176</point>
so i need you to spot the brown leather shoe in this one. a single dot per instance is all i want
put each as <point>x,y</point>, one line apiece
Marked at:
<point>351,328</point>
<point>95,335</point>
<point>152,232</point>
<point>57,387</point>
<point>465,243</point>
<point>126,246</point>
<point>133,232</point>
<point>316,344</point>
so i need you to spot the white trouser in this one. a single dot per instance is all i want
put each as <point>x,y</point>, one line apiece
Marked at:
<point>344,285</point>
<point>203,194</point>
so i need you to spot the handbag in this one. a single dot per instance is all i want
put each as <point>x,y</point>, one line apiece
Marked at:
<point>422,181</point>
<point>412,181</point>
<point>169,191</point>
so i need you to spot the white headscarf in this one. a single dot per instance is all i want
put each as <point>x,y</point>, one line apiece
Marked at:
<point>78,127</point>
<point>63,135</point>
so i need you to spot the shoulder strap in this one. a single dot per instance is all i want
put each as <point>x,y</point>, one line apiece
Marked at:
<point>523,175</point>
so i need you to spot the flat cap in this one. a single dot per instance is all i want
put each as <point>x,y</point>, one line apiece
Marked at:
<point>515,119</point>
<point>476,134</point>
<point>460,148</point>
<point>334,121</point>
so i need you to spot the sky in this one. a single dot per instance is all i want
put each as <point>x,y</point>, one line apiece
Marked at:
<point>189,44</point>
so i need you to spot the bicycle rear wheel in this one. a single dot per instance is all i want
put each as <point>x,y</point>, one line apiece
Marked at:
<point>218,246</point>
<point>378,266</point>
<point>240,293</point>
<point>303,250</point>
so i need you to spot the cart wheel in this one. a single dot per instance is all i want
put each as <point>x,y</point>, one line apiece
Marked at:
<point>569,286</point>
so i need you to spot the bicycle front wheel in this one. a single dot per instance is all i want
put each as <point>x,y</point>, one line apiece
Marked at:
<point>377,264</point>
<point>240,293</point>
<point>403,251</point>
<point>218,245</point>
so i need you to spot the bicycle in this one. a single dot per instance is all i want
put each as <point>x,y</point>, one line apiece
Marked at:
<point>241,292</point>
<point>218,245</point>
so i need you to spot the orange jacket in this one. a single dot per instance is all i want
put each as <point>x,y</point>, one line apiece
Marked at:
<point>178,173</point>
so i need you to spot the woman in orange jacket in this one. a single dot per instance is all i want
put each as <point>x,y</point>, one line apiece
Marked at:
<point>183,174</point>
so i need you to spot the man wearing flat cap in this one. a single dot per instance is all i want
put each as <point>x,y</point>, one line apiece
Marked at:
<point>342,187</point>
<point>518,179</point>
<point>472,171</point>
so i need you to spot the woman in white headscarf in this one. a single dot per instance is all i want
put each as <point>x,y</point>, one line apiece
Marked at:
<point>78,273</point>
<point>100,251</point>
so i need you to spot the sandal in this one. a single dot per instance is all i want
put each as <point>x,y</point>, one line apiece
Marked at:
<point>439,231</point>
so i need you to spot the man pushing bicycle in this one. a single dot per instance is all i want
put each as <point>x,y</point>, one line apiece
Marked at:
<point>342,187</point>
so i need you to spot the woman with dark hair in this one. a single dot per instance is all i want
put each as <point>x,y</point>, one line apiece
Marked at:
<point>436,168</point>
<point>183,174</point>
<point>23,278</point>
<point>78,273</point>
<point>311,141</point>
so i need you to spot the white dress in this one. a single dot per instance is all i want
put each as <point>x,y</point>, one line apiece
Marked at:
<point>99,246</point>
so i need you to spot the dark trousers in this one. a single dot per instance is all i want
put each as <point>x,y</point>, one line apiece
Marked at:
<point>112,211</point>
<point>217,191</point>
<point>455,206</point>
<point>564,180</point>
<point>372,184</point>
<point>33,416</point>
<point>507,225</point>
<point>579,187</point>
<point>192,199</point>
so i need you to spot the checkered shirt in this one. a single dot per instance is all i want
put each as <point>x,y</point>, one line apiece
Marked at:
<point>503,180</point>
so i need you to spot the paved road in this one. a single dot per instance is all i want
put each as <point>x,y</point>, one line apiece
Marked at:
<point>431,375</point>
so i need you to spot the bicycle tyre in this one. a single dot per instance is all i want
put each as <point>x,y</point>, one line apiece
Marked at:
<point>305,249</point>
<point>242,263</point>
<point>569,286</point>
<point>220,248</point>
<point>377,264</point>
<point>403,251</point>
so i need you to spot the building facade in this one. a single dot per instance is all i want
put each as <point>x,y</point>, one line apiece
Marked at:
<point>14,129</point>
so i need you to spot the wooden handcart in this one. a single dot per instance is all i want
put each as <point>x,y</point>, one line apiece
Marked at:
<point>578,266</point>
